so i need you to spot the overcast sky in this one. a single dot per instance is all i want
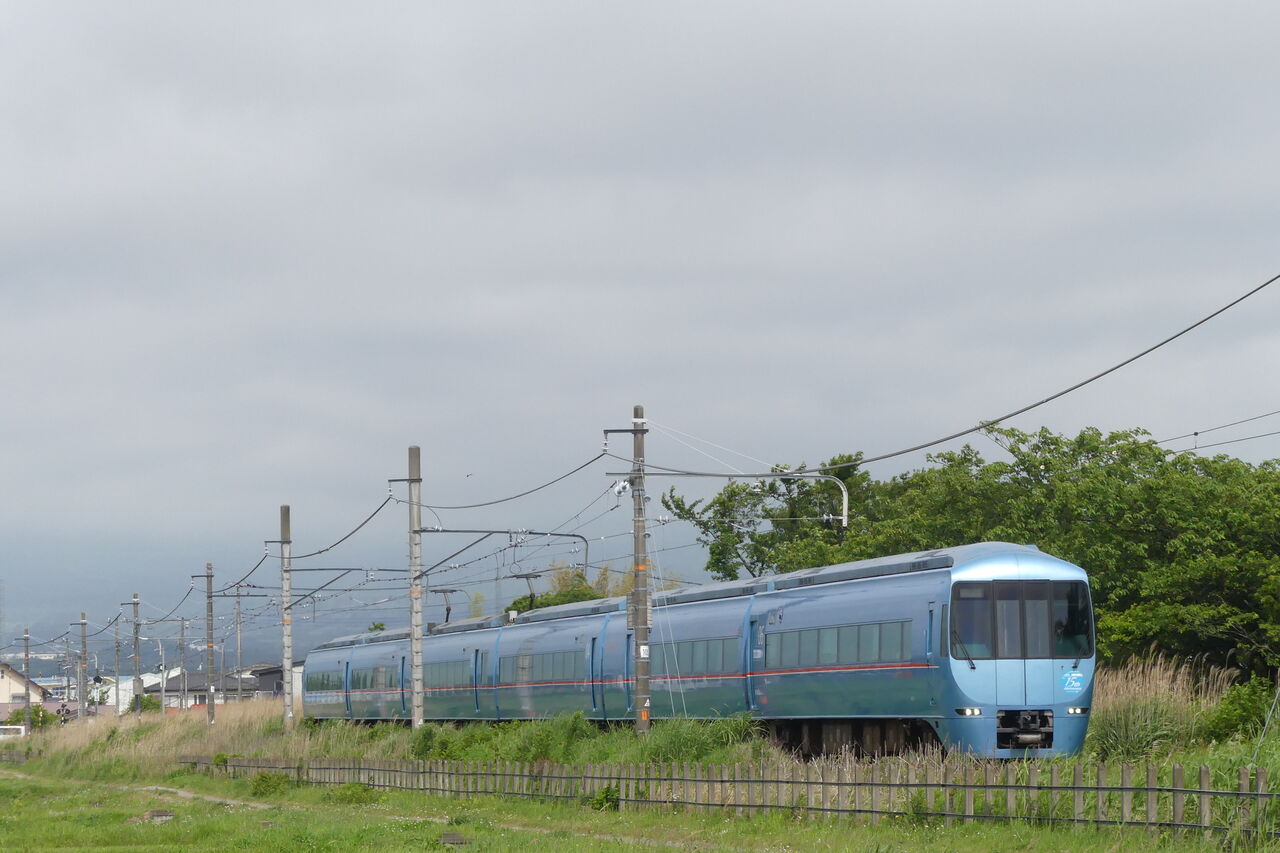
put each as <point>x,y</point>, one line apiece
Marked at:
<point>251,252</point>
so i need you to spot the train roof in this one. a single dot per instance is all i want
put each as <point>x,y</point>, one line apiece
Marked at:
<point>920,561</point>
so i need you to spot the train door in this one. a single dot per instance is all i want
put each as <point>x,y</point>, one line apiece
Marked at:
<point>346,689</point>
<point>477,676</point>
<point>754,663</point>
<point>626,668</point>
<point>404,708</point>
<point>592,677</point>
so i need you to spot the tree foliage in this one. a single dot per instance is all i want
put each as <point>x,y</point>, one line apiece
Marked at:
<point>1181,549</point>
<point>40,717</point>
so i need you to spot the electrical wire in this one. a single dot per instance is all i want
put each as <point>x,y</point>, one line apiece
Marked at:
<point>171,612</point>
<point>357,529</point>
<point>990,423</point>
<point>521,494</point>
<point>1230,441</point>
<point>1200,432</point>
<point>669,429</point>
<point>246,574</point>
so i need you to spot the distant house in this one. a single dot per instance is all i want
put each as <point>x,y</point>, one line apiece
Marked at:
<point>225,688</point>
<point>14,689</point>
<point>271,679</point>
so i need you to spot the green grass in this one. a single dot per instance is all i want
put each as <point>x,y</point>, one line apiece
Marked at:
<point>50,814</point>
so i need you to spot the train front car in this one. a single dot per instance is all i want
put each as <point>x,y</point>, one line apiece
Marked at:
<point>1019,654</point>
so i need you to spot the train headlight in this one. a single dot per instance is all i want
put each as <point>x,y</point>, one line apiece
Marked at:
<point>1077,710</point>
<point>969,712</point>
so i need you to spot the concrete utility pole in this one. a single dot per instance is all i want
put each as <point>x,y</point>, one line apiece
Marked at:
<point>415,583</point>
<point>66,668</point>
<point>640,589</point>
<point>286,602</point>
<point>208,620</point>
<point>26,672</point>
<point>117,669</point>
<point>137,659</point>
<point>82,670</point>
<point>182,663</point>
<point>239,671</point>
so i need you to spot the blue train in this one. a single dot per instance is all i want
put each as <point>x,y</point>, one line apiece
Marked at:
<point>985,648</point>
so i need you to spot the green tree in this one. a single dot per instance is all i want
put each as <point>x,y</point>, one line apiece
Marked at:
<point>377,626</point>
<point>1183,551</point>
<point>40,718</point>
<point>149,703</point>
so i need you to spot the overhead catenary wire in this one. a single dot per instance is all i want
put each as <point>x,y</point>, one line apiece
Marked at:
<point>353,532</point>
<point>986,424</point>
<point>525,493</point>
<point>1201,432</point>
<point>1229,441</point>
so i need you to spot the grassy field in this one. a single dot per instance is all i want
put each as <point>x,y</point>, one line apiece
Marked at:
<point>1151,711</point>
<point>47,814</point>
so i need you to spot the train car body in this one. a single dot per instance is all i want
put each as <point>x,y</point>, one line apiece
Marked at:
<point>986,648</point>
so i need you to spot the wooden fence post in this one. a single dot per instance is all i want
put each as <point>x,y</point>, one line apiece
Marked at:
<point>1205,800</point>
<point>968,792</point>
<point>1245,805</point>
<point>1100,805</point>
<point>1153,796</point>
<point>1077,785</point>
<point>1178,796</point>
<point>1126,796</point>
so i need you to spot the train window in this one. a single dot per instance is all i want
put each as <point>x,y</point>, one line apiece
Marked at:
<point>791,648</point>
<point>1008,619</point>
<point>715,656</point>
<point>906,640</point>
<point>730,655</point>
<point>827,645</point>
<point>848,644</point>
<point>970,630</point>
<point>772,651</point>
<point>699,657</point>
<point>1072,620</point>
<point>524,669</point>
<point>891,641</point>
<point>868,643</point>
<point>808,648</point>
<point>1035,617</point>
<point>684,657</point>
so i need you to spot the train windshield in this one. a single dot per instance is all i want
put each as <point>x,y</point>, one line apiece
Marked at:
<point>1021,619</point>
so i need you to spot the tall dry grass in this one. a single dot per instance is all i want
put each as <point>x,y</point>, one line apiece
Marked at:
<point>1153,705</point>
<point>125,746</point>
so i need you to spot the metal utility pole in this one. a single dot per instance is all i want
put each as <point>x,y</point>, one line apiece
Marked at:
<point>117,670</point>
<point>239,671</point>
<point>26,671</point>
<point>82,670</point>
<point>182,663</point>
<point>208,619</point>
<point>286,603</point>
<point>137,660</point>
<point>415,583</point>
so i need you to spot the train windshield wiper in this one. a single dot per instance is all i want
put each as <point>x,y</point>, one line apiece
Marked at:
<point>955,635</point>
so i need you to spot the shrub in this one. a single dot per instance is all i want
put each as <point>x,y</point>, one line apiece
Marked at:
<point>40,717</point>
<point>268,784</point>
<point>352,794</point>
<point>606,799</point>
<point>1241,711</point>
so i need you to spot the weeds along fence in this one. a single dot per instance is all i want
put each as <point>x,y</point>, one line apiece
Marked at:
<point>947,791</point>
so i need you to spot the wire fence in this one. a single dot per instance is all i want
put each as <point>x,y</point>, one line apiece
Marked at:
<point>950,790</point>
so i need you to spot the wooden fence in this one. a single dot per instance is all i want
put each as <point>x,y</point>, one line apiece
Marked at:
<point>945,791</point>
